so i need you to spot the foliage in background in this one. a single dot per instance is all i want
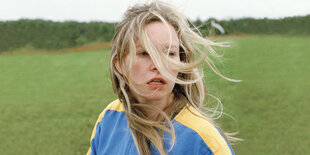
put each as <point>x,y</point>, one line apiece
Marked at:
<point>42,34</point>
<point>287,26</point>
<point>49,35</point>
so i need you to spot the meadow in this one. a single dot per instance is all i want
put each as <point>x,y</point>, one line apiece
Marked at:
<point>50,102</point>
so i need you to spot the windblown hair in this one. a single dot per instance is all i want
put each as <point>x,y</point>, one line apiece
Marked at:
<point>189,88</point>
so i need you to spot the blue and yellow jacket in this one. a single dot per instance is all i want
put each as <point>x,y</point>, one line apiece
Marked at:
<point>194,135</point>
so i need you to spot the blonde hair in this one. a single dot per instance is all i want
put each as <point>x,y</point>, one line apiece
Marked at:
<point>189,88</point>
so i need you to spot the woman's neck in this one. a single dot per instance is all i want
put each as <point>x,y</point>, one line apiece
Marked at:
<point>160,104</point>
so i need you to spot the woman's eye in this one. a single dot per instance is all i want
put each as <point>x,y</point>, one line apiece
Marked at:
<point>171,53</point>
<point>144,53</point>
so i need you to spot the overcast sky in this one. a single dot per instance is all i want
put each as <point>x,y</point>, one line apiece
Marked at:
<point>112,10</point>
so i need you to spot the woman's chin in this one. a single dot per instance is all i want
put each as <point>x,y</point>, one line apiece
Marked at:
<point>158,97</point>
<point>155,97</point>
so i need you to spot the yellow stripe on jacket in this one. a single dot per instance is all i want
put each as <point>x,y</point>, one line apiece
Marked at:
<point>191,118</point>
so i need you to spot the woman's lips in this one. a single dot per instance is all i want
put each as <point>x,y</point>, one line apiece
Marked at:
<point>156,83</point>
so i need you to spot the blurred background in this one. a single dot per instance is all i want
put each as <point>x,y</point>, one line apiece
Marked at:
<point>54,71</point>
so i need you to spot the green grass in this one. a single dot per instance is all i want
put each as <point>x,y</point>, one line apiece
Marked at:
<point>271,105</point>
<point>49,103</point>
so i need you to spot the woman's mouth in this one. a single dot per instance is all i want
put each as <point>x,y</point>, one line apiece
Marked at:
<point>156,83</point>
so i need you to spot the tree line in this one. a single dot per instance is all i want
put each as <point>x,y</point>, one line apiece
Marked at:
<point>50,35</point>
<point>299,25</point>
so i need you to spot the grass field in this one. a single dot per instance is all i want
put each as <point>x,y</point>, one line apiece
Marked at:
<point>49,103</point>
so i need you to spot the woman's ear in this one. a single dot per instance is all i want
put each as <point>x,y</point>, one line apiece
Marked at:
<point>117,66</point>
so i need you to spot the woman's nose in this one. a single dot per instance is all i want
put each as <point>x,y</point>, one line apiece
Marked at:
<point>153,66</point>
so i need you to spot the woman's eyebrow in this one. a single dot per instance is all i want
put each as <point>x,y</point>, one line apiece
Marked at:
<point>172,46</point>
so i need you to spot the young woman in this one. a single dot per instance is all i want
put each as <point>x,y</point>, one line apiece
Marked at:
<point>159,87</point>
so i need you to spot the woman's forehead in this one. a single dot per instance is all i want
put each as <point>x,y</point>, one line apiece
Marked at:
<point>163,36</point>
<point>161,33</point>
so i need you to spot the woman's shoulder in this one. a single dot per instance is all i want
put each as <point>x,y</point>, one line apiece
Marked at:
<point>116,105</point>
<point>193,121</point>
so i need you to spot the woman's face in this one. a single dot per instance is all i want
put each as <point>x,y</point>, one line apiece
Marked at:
<point>144,75</point>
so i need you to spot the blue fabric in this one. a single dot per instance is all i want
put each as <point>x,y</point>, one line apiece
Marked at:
<point>113,137</point>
